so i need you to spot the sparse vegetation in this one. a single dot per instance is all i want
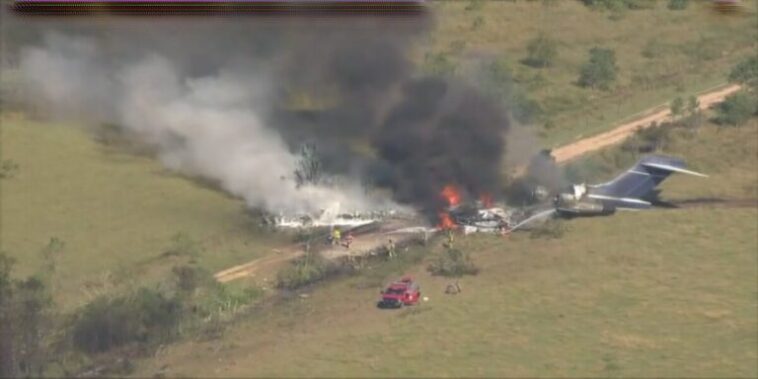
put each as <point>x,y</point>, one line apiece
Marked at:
<point>453,263</point>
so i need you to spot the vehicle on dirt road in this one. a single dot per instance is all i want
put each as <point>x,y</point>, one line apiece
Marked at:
<point>400,293</point>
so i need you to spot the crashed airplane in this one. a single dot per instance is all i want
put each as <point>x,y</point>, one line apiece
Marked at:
<point>627,191</point>
<point>631,190</point>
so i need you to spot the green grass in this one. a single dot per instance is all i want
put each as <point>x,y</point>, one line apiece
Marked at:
<point>116,213</point>
<point>687,52</point>
<point>660,293</point>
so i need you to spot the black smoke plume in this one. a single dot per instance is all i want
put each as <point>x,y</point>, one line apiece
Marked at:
<point>214,97</point>
<point>442,133</point>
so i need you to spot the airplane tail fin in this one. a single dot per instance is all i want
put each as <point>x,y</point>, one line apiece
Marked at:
<point>639,181</point>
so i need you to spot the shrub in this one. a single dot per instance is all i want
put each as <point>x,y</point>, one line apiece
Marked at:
<point>620,4</point>
<point>746,72</point>
<point>305,270</point>
<point>648,140</point>
<point>677,5</point>
<point>106,323</point>
<point>677,106</point>
<point>8,169</point>
<point>541,52</point>
<point>453,262</point>
<point>188,278</point>
<point>600,70</point>
<point>736,109</point>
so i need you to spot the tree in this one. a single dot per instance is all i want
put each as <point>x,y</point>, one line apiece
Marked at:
<point>309,170</point>
<point>32,322</point>
<point>541,52</point>
<point>677,107</point>
<point>693,105</point>
<point>600,69</point>
<point>736,109</point>
<point>25,320</point>
<point>694,116</point>
<point>7,356</point>
<point>746,72</point>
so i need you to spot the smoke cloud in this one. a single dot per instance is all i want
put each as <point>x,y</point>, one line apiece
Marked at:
<point>232,100</point>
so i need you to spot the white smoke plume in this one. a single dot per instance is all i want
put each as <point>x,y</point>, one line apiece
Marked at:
<point>209,126</point>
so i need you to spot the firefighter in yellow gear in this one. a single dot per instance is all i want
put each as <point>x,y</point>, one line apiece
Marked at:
<point>336,236</point>
<point>450,237</point>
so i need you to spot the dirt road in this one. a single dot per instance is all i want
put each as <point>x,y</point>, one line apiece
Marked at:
<point>618,134</point>
<point>269,264</point>
<point>365,241</point>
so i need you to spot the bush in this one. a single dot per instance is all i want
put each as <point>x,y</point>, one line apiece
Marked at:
<point>619,4</point>
<point>648,140</point>
<point>189,278</point>
<point>453,262</point>
<point>677,106</point>
<point>600,70</point>
<point>8,169</point>
<point>305,270</point>
<point>677,5</point>
<point>746,72</point>
<point>736,109</point>
<point>144,316</point>
<point>541,52</point>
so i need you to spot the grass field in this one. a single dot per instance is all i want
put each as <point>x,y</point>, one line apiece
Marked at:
<point>116,213</point>
<point>661,54</point>
<point>655,293</point>
<point>660,293</point>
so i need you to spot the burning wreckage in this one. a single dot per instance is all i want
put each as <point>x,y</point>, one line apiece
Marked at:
<point>633,189</point>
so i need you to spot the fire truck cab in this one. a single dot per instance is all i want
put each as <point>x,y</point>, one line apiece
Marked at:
<point>399,293</point>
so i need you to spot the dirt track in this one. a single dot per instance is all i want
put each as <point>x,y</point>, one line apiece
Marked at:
<point>658,114</point>
<point>562,154</point>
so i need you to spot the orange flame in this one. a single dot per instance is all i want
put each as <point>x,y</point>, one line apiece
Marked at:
<point>451,194</point>
<point>446,222</point>
<point>486,200</point>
